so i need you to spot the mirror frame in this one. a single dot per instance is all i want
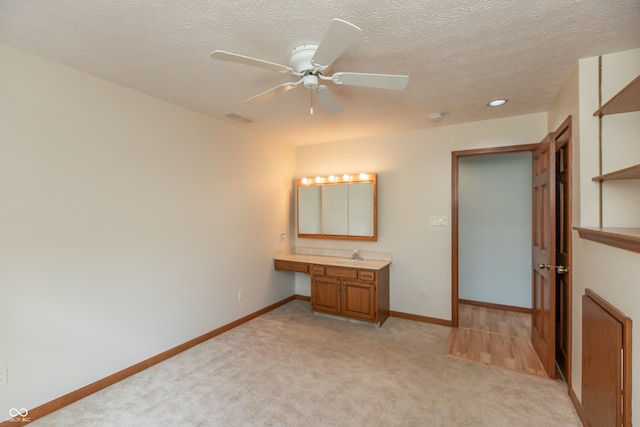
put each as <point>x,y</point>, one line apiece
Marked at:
<point>369,178</point>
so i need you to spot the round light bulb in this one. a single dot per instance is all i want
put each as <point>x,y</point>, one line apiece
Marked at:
<point>362,176</point>
<point>305,180</point>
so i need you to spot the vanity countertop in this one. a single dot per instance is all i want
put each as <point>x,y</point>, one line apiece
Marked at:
<point>369,264</point>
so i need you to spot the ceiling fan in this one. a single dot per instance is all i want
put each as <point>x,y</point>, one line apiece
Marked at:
<point>310,62</point>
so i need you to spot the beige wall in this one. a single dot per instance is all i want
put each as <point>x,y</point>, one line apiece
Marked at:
<point>127,226</point>
<point>414,183</point>
<point>566,105</point>
<point>612,273</point>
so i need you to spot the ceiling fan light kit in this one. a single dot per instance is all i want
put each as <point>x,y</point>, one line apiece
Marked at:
<point>309,62</point>
<point>310,81</point>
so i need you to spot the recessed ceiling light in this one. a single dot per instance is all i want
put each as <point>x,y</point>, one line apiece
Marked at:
<point>497,102</point>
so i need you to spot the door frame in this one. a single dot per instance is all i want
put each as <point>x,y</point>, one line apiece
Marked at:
<point>455,156</point>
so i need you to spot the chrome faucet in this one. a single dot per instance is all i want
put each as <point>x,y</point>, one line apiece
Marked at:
<point>356,255</point>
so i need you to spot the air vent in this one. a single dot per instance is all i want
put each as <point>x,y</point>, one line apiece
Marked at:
<point>237,118</point>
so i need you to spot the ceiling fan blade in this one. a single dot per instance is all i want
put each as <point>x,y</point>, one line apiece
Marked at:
<point>379,81</point>
<point>241,59</point>
<point>338,37</point>
<point>327,101</point>
<point>268,94</point>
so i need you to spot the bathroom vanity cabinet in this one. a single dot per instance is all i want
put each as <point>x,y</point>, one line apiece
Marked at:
<point>352,289</point>
<point>350,292</point>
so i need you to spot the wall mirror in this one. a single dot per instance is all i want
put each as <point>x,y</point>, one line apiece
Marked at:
<point>338,207</point>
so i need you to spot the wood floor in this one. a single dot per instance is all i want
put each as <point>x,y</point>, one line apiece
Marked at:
<point>495,337</point>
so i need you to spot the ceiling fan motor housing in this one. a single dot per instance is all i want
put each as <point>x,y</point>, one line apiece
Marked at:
<point>301,56</point>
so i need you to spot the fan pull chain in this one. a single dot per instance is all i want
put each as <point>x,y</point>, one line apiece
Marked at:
<point>311,102</point>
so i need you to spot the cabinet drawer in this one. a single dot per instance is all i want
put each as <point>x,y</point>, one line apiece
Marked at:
<point>368,275</point>
<point>300,267</point>
<point>317,270</point>
<point>345,273</point>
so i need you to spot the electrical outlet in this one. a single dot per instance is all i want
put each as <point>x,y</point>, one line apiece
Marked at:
<point>3,374</point>
<point>424,293</point>
<point>240,294</point>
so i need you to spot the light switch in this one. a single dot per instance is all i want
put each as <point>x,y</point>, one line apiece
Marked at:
<point>439,221</point>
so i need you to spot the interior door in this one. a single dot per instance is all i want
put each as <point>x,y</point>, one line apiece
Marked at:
<point>563,250</point>
<point>543,336</point>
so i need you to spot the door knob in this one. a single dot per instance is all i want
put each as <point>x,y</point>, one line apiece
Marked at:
<point>561,269</point>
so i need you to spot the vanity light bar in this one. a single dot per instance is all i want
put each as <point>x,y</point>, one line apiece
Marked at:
<point>336,179</point>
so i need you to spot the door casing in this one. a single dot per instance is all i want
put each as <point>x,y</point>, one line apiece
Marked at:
<point>455,211</point>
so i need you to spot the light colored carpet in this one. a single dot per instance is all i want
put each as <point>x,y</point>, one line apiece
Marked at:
<point>292,368</point>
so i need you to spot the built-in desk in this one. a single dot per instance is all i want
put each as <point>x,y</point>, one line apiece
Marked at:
<point>356,289</point>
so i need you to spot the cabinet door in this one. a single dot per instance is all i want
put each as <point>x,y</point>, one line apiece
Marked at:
<point>325,294</point>
<point>310,209</point>
<point>359,300</point>
<point>335,209</point>
<point>361,209</point>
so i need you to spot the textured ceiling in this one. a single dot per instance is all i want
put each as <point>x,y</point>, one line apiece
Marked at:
<point>458,54</point>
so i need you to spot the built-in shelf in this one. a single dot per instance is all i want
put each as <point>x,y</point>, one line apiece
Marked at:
<point>632,172</point>
<point>620,237</point>
<point>625,101</point>
<point>623,238</point>
<point>628,99</point>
